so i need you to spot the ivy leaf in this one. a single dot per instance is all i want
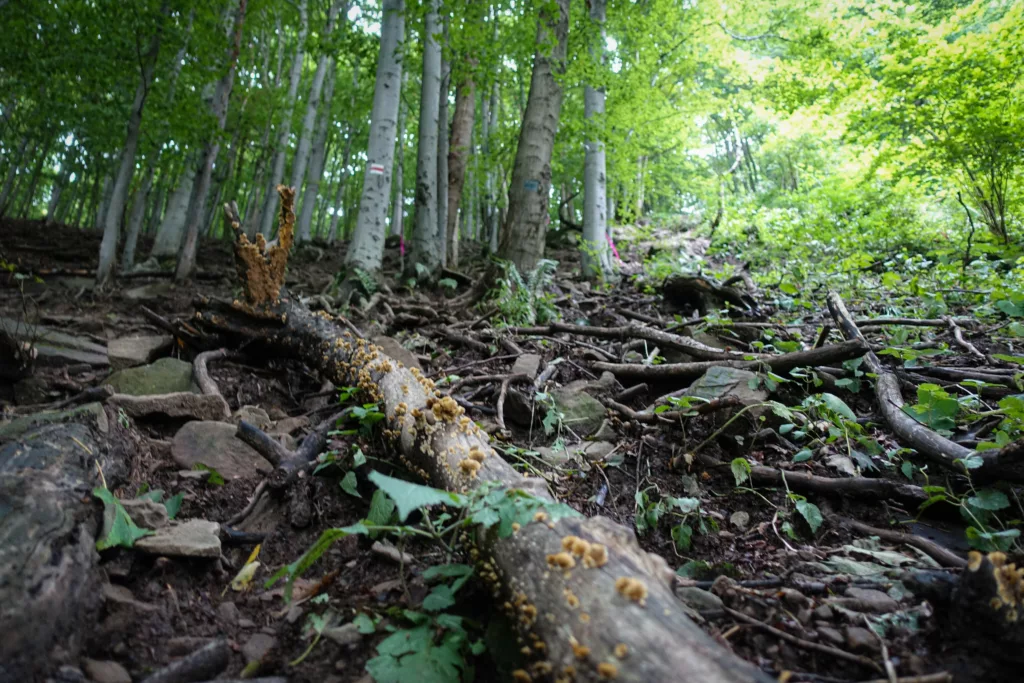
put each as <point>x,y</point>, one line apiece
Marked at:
<point>989,499</point>
<point>408,496</point>
<point>811,514</point>
<point>442,597</point>
<point>740,470</point>
<point>119,529</point>
<point>348,484</point>
<point>682,536</point>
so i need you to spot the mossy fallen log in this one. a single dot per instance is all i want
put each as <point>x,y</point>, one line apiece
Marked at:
<point>589,603</point>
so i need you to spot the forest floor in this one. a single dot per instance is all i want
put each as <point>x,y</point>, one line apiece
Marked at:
<point>851,604</point>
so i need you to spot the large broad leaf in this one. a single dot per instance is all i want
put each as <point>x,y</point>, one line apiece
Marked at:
<point>989,499</point>
<point>811,514</point>
<point>121,531</point>
<point>409,496</point>
<point>838,406</point>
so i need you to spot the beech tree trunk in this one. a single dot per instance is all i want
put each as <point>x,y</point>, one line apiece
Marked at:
<point>442,156</point>
<point>309,122</point>
<point>115,210</point>
<point>172,227</point>
<point>339,191</point>
<point>222,93</point>
<point>594,252</point>
<point>58,188</point>
<point>398,204</point>
<point>522,239</point>
<point>317,161</point>
<point>135,219</point>
<point>30,191</point>
<point>367,249</point>
<point>267,215</point>
<point>458,155</point>
<point>425,238</point>
<point>492,184</point>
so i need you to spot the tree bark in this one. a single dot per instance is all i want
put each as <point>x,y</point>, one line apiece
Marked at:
<point>594,250</point>
<point>172,227</point>
<point>12,174</point>
<point>522,239</point>
<point>135,219</point>
<point>58,187</point>
<point>494,220</point>
<point>442,155</point>
<point>187,257</point>
<point>267,215</point>
<point>367,249</point>
<point>424,250</point>
<point>30,191</point>
<point>398,204</point>
<point>317,161</point>
<point>115,210</point>
<point>458,156</point>
<point>309,122</point>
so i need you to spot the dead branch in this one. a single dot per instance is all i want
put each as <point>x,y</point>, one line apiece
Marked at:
<point>206,662</point>
<point>933,550</point>
<point>833,353</point>
<point>995,464</point>
<point>666,339</point>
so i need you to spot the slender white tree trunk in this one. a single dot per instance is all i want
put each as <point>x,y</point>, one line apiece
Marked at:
<point>316,162</point>
<point>425,236</point>
<point>135,219</point>
<point>594,251</point>
<point>197,204</point>
<point>367,249</point>
<point>172,227</point>
<point>268,213</point>
<point>522,240</point>
<point>305,146</point>
<point>112,219</point>
<point>442,155</point>
<point>398,205</point>
<point>492,185</point>
<point>339,192</point>
<point>458,157</point>
<point>106,192</point>
<point>58,188</point>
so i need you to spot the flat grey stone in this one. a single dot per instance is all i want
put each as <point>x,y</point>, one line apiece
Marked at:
<point>698,599</point>
<point>347,634</point>
<point>165,376</point>
<point>860,639</point>
<point>595,451</point>
<point>581,412</point>
<point>527,364</point>
<point>128,352</point>
<point>257,647</point>
<point>866,600</point>
<point>393,348</point>
<point>215,445</point>
<point>54,347</point>
<point>723,381</point>
<point>147,514</point>
<point>89,413</point>
<point>180,404</point>
<point>119,595</point>
<point>740,520</point>
<point>228,612</point>
<point>105,671</point>
<point>194,538</point>
<point>153,290</point>
<point>254,415</point>
<point>831,635</point>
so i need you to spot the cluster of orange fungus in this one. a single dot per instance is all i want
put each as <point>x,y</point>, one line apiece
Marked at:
<point>634,589</point>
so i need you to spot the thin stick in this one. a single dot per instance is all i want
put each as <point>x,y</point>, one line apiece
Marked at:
<point>933,550</point>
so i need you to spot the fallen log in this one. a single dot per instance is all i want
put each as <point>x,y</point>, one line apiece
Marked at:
<point>1006,463</point>
<point>602,631</point>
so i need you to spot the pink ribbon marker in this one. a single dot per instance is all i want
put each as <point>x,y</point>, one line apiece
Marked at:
<point>611,244</point>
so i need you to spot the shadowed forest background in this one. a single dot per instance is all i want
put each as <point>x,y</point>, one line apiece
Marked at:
<point>499,340</point>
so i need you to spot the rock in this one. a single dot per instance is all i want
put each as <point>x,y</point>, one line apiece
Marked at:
<point>215,445</point>
<point>720,382</point>
<point>606,432</point>
<point>105,671</point>
<point>89,413</point>
<point>194,538</point>
<point>860,639</point>
<point>740,520</point>
<point>153,290</point>
<point>527,364</point>
<point>127,352</point>
<point>68,674</point>
<point>556,457</point>
<point>56,348</point>
<point>147,514</point>
<point>254,415</point>
<point>700,600</point>
<point>866,600</point>
<point>824,613</point>
<point>257,647</point>
<point>30,391</point>
<point>119,595</point>
<point>181,404</point>
<point>165,376</point>
<point>392,347</point>
<point>581,412</point>
<point>831,635</point>
<point>228,612</point>
<point>289,425</point>
<point>595,451</point>
<point>841,464</point>
<point>246,623</point>
<point>519,410</point>
<point>347,634</point>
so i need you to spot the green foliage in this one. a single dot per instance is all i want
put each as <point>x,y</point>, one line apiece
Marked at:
<point>215,478</point>
<point>525,301</point>
<point>121,531</point>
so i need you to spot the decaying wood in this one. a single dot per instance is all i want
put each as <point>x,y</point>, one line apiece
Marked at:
<point>1005,463</point>
<point>622,611</point>
<point>206,662</point>
<point>987,614</point>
